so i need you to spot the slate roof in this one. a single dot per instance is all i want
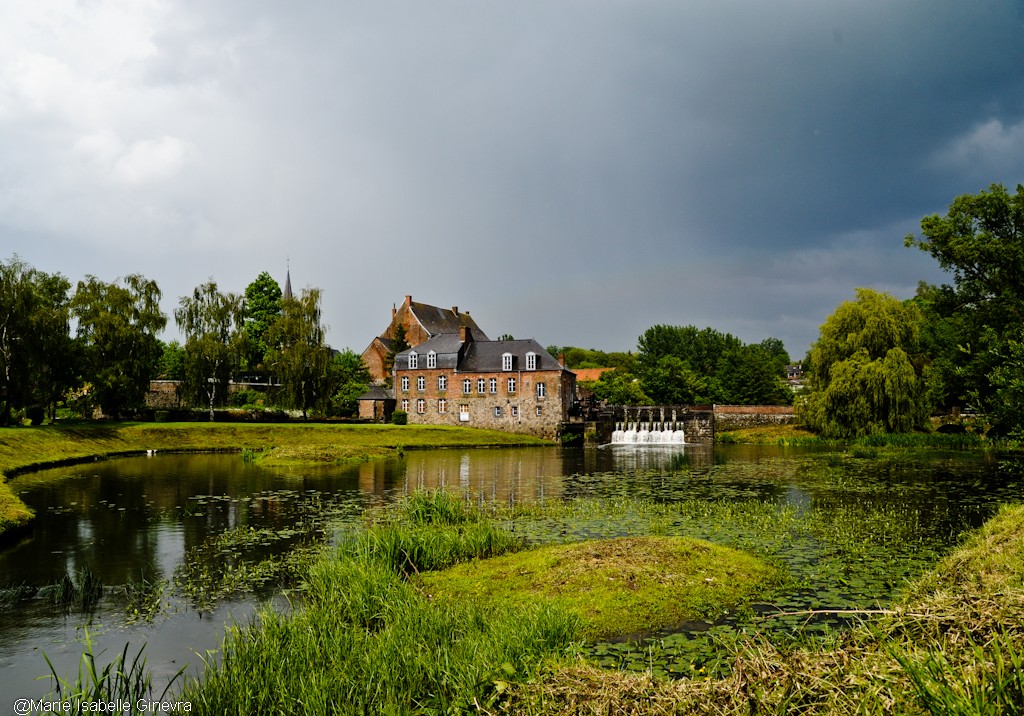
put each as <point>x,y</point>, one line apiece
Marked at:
<point>377,392</point>
<point>444,320</point>
<point>477,356</point>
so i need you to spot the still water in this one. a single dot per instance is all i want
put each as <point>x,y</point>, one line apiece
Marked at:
<point>161,520</point>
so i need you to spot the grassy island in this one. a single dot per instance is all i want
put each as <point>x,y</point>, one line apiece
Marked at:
<point>28,448</point>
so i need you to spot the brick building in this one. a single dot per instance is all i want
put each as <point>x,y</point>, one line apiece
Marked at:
<point>462,378</point>
<point>422,322</point>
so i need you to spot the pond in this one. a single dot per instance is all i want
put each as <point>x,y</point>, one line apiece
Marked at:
<point>183,545</point>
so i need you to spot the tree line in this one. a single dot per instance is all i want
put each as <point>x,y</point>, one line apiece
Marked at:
<point>686,365</point>
<point>884,365</point>
<point>109,359</point>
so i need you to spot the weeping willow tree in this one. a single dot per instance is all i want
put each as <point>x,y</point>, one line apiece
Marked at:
<point>869,376</point>
<point>298,355</point>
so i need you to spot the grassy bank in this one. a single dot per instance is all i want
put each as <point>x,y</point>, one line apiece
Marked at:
<point>954,644</point>
<point>26,448</point>
<point>796,436</point>
<point>382,630</point>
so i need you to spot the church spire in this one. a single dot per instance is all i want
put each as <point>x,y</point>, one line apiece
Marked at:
<point>288,283</point>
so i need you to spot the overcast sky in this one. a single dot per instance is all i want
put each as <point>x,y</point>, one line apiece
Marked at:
<point>572,171</point>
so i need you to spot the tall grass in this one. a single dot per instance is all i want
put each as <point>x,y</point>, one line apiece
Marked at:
<point>121,680</point>
<point>366,640</point>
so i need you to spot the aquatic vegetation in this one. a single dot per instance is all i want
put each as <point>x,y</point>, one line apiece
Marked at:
<point>144,599</point>
<point>617,587</point>
<point>82,591</point>
<point>378,644</point>
<point>119,680</point>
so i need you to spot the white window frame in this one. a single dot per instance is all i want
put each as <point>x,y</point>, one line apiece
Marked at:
<point>511,386</point>
<point>493,385</point>
<point>497,411</point>
<point>405,405</point>
<point>506,361</point>
<point>442,382</point>
<point>414,360</point>
<point>431,359</point>
<point>442,405</point>
<point>421,383</point>
<point>481,386</point>
<point>515,411</point>
<point>542,390</point>
<point>467,386</point>
<point>463,413</point>
<point>531,361</point>
<point>421,406</point>
<point>405,382</point>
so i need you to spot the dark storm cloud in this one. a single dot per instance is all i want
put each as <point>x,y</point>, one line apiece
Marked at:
<point>577,171</point>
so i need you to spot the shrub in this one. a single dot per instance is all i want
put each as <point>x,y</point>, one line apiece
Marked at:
<point>399,417</point>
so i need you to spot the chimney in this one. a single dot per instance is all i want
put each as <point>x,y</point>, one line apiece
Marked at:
<point>561,359</point>
<point>464,335</point>
<point>408,300</point>
<point>394,311</point>
<point>455,310</point>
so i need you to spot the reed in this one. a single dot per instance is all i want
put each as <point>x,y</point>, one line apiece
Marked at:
<point>366,640</point>
<point>121,680</point>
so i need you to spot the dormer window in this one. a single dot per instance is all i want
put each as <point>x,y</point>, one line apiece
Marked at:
<point>431,359</point>
<point>506,361</point>
<point>531,361</point>
<point>414,361</point>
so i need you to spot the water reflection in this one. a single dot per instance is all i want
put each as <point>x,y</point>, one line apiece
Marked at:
<point>142,518</point>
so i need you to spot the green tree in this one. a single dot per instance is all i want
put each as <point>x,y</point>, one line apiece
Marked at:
<point>673,382</point>
<point>172,361</point>
<point>619,387</point>
<point>399,343</point>
<point>36,351</point>
<point>978,323</point>
<point>299,357</point>
<point>869,375</point>
<point>118,323</point>
<point>349,378</point>
<point>212,324</point>
<point>262,308</point>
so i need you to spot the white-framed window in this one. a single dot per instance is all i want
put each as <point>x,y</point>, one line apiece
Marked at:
<point>405,404</point>
<point>464,413</point>
<point>414,360</point>
<point>421,383</point>
<point>442,382</point>
<point>511,385</point>
<point>506,361</point>
<point>542,390</point>
<point>497,411</point>
<point>421,406</point>
<point>405,382</point>
<point>481,385</point>
<point>431,359</point>
<point>442,405</point>
<point>540,410</point>
<point>531,361</point>
<point>493,385</point>
<point>515,411</point>
<point>467,386</point>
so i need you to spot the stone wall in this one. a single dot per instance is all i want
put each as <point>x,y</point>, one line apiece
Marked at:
<point>163,395</point>
<point>735,417</point>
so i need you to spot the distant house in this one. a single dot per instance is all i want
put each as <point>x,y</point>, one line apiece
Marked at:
<point>376,404</point>
<point>422,322</point>
<point>462,378</point>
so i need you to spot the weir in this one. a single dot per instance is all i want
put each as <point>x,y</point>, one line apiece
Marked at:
<point>654,430</point>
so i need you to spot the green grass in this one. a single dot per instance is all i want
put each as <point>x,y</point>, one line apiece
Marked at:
<point>619,586</point>
<point>26,448</point>
<point>365,639</point>
<point>953,644</point>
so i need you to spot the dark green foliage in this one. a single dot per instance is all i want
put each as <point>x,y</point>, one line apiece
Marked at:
<point>171,365</point>
<point>262,309</point>
<point>349,378</point>
<point>38,359</point>
<point>211,322</point>
<point>298,356</point>
<point>399,417</point>
<point>689,365</point>
<point>618,387</point>
<point>976,327</point>
<point>118,323</point>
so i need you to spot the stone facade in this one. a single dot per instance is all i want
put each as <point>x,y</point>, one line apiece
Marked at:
<point>735,417</point>
<point>422,322</point>
<point>514,386</point>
